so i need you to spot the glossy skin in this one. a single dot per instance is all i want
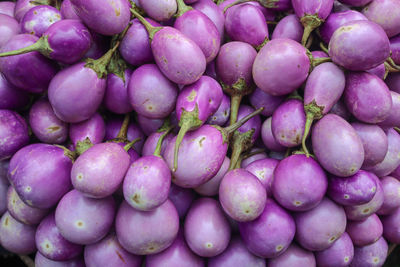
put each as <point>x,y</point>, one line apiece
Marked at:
<point>206,229</point>
<point>391,226</point>
<point>147,232</point>
<point>288,122</point>
<point>391,192</point>
<point>67,10</point>
<point>234,62</point>
<point>13,133</point>
<point>33,171</point>
<point>116,97</point>
<point>94,128</point>
<point>83,220</point>
<point>386,13</point>
<point>159,10</point>
<point>269,102</point>
<point>294,256</point>
<point>68,86</point>
<point>371,255</point>
<point>357,189</point>
<point>361,212</point>
<point>30,72</point>
<point>281,56</point>
<point>38,19</point>
<point>248,160</point>
<point>269,235</point>
<point>337,146</point>
<point>105,17</point>
<point>365,232</point>
<point>393,119</point>
<point>42,261</point>
<point>236,254</point>
<point>367,97</point>
<point>109,252</point>
<point>311,7</point>
<point>175,255</point>
<point>374,140</point>
<point>242,195</point>
<point>147,183</point>
<point>335,20</point>
<point>317,229</point>
<point>151,143</point>
<point>21,7</point>
<point>246,23</point>
<point>51,244</point>
<point>69,40</point>
<point>9,27</point>
<point>7,8</point>
<point>268,138</point>
<point>45,124</point>
<point>151,94</point>
<point>370,39</point>
<point>198,27</point>
<point>211,10</point>
<point>135,47</point>
<point>340,254</point>
<point>391,161</point>
<point>207,151</point>
<point>100,170</point>
<point>179,58</point>
<point>16,237</point>
<point>22,212</point>
<point>221,116</point>
<point>264,169</point>
<point>289,27</point>
<point>10,96</point>
<point>299,183</point>
<point>211,187</point>
<point>182,199</point>
<point>325,86</point>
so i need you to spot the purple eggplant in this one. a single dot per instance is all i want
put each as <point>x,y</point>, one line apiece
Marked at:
<point>38,19</point>
<point>269,102</point>
<point>42,261</point>
<point>67,10</point>
<point>10,96</point>
<point>9,28</point>
<point>182,199</point>
<point>374,254</point>
<point>340,254</point>
<point>386,13</point>
<point>294,256</point>
<point>391,193</point>
<point>264,169</point>
<point>221,116</point>
<point>365,232</point>
<point>269,139</point>
<point>393,119</point>
<point>391,226</point>
<point>7,8</point>
<point>289,27</point>
<point>211,187</point>
<point>159,10</point>
<point>211,10</point>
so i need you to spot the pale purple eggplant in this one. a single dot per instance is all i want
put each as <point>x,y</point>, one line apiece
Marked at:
<point>67,10</point>
<point>393,119</point>
<point>148,125</point>
<point>221,116</point>
<point>264,169</point>
<point>21,7</point>
<point>45,124</point>
<point>373,46</point>
<point>182,199</point>
<point>104,17</point>
<point>242,195</point>
<point>391,227</point>
<point>253,155</point>
<point>42,261</point>
<point>31,72</point>
<point>179,58</point>
<point>386,13</point>
<point>324,87</point>
<point>357,189</point>
<point>13,133</point>
<point>38,19</point>
<point>82,220</point>
<point>299,183</point>
<point>337,146</point>
<point>340,109</point>
<point>269,102</point>
<point>16,237</point>
<point>98,48</point>
<point>335,20</point>
<point>365,232</point>
<point>312,14</point>
<point>150,93</point>
<point>340,254</point>
<point>150,144</point>
<point>268,137</point>
<point>198,27</point>
<point>211,10</point>
<point>146,232</point>
<point>395,48</point>
<point>294,256</point>
<point>317,229</point>
<point>51,244</point>
<point>206,229</point>
<point>319,54</point>
<point>211,187</point>
<point>271,234</point>
<point>391,193</point>
<point>159,10</point>
<point>174,255</point>
<point>7,8</point>
<point>374,254</point>
<point>116,96</point>
<point>288,123</point>
<point>289,27</point>
<point>10,96</point>
<point>9,28</point>
<point>109,252</point>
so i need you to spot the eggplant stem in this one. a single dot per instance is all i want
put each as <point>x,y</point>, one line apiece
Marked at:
<point>123,131</point>
<point>231,128</point>
<point>235,104</point>
<point>150,28</point>
<point>157,151</point>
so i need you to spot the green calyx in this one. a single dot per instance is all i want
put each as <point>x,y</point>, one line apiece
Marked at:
<point>189,121</point>
<point>117,66</point>
<point>131,144</point>
<point>82,146</point>
<point>41,45</point>
<point>182,8</point>
<point>151,30</point>
<point>157,151</point>
<point>310,23</point>
<point>316,61</point>
<point>100,65</point>
<point>313,111</point>
<point>68,153</point>
<point>266,40</point>
<point>240,142</point>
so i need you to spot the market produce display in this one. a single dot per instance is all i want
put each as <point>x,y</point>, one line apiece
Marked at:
<point>164,133</point>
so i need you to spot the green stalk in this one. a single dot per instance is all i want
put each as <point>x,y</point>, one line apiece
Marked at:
<point>100,65</point>
<point>182,8</point>
<point>131,144</point>
<point>123,131</point>
<point>231,128</point>
<point>157,151</point>
<point>41,45</point>
<point>150,29</point>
